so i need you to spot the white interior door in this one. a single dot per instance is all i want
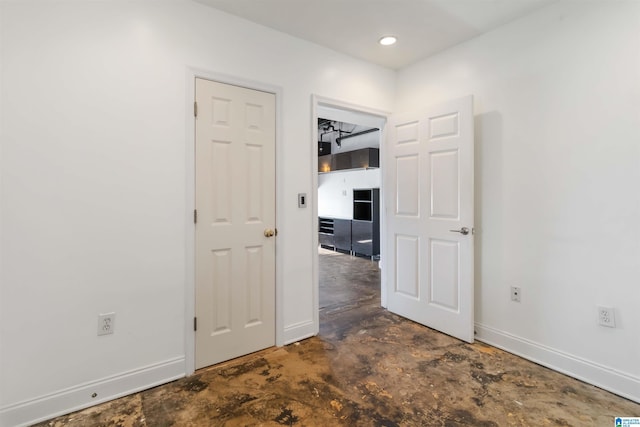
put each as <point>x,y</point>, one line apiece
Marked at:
<point>235,203</point>
<point>428,180</point>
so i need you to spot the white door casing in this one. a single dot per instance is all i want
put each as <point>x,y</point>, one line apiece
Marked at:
<point>428,178</point>
<point>235,203</point>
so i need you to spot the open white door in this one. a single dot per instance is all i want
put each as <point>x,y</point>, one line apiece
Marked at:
<point>428,181</point>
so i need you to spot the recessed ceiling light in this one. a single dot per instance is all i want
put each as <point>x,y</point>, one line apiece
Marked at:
<point>388,40</point>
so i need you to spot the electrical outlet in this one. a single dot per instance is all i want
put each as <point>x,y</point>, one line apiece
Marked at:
<point>515,294</point>
<point>606,317</point>
<point>106,323</point>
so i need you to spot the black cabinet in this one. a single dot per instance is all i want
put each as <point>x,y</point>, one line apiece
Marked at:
<point>358,159</point>
<point>365,158</point>
<point>335,233</point>
<point>325,229</point>
<point>361,235</point>
<point>365,227</point>
<point>342,234</point>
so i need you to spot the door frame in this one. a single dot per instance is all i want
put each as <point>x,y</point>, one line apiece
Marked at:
<point>318,102</point>
<point>190,202</point>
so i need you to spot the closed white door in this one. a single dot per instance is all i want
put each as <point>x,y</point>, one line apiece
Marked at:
<point>235,204</point>
<point>429,193</point>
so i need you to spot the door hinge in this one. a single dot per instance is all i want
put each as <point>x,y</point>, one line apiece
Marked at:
<point>195,216</point>
<point>195,109</point>
<point>195,323</point>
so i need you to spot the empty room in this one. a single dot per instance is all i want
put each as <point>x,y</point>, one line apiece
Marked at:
<point>165,197</point>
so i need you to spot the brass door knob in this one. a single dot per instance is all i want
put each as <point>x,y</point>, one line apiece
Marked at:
<point>269,233</point>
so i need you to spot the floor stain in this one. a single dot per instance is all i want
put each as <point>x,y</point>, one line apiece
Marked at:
<point>286,417</point>
<point>194,384</point>
<point>366,368</point>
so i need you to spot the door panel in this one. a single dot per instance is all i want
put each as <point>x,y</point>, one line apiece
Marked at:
<point>235,201</point>
<point>444,281</point>
<point>444,184</point>
<point>407,266</point>
<point>220,196</point>
<point>407,187</point>
<point>430,178</point>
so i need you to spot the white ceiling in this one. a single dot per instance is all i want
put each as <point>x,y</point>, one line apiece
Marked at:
<point>353,27</point>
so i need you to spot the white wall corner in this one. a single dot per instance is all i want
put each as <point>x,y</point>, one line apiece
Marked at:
<point>79,397</point>
<point>607,378</point>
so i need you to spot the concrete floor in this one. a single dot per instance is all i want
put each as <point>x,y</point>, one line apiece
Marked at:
<point>367,367</point>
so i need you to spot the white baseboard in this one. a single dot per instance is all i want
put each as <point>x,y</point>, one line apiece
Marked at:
<point>79,397</point>
<point>620,383</point>
<point>299,331</point>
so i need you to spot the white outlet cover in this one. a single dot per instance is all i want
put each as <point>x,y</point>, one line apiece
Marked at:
<point>606,316</point>
<point>106,323</point>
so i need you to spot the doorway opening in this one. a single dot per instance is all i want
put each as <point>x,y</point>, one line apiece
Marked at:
<point>349,213</point>
<point>427,222</point>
